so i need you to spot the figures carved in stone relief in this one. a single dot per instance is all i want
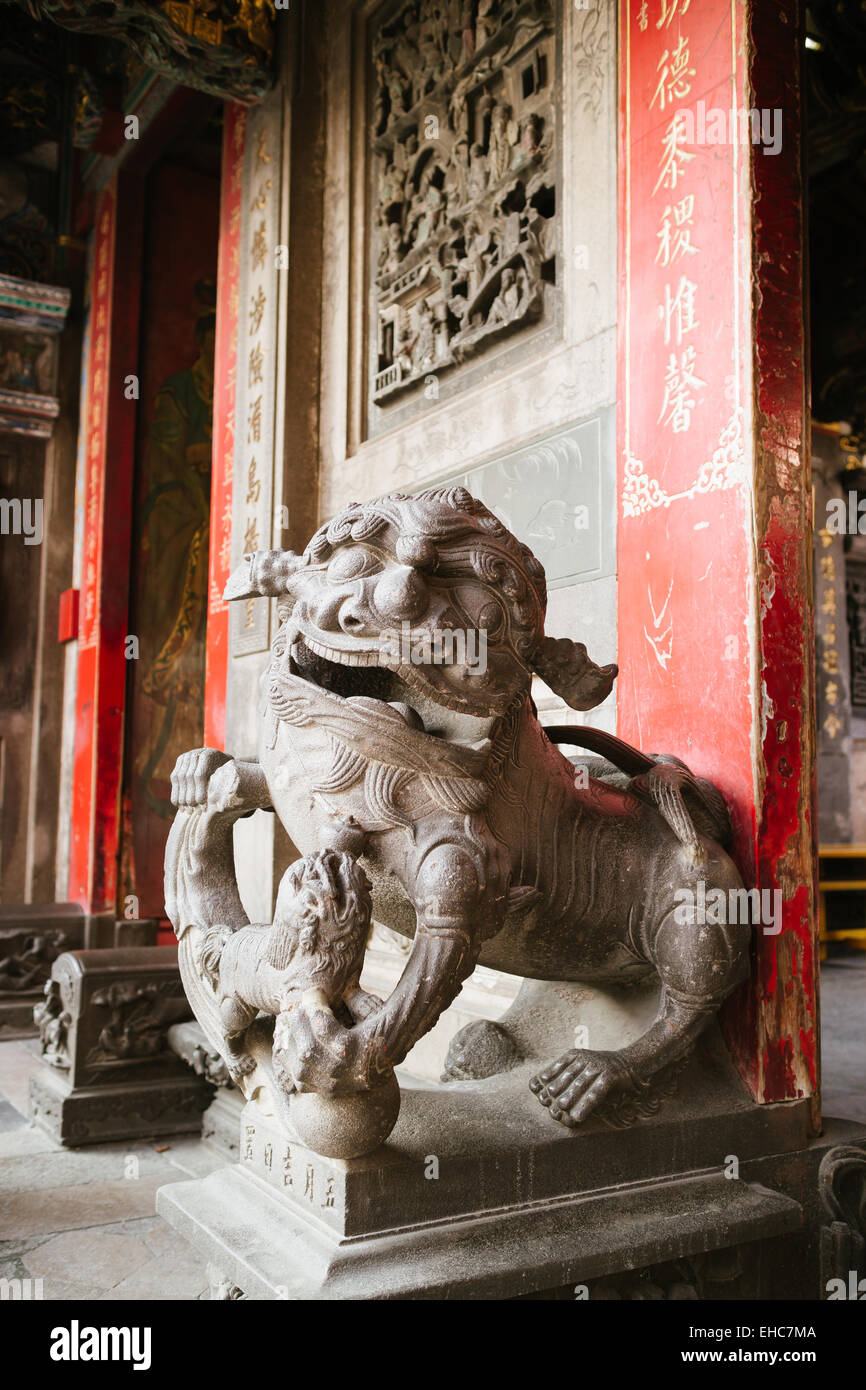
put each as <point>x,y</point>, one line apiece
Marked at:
<point>464,192</point>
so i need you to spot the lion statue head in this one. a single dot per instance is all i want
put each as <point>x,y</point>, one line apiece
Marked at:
<point>429,592</point>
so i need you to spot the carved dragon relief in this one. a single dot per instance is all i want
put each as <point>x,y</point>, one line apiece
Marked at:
<point>435,778</point>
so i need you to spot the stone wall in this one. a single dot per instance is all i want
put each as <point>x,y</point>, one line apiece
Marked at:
<point>489,141</point>
<point>527,423</point>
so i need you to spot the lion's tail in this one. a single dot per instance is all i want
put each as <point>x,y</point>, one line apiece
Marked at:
<point>692,806</point>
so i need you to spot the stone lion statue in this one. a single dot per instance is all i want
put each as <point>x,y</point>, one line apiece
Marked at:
<point>383,737</point>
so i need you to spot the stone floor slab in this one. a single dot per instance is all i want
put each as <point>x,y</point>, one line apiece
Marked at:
<point>87,1257</point>
<point>10,1118</point>
<point>64,1291</point>
<point>17,1065</point>
<point>72,1167</point>
<point>43,1211</point>
<point>184,1280</point>
<point>23,1142</point>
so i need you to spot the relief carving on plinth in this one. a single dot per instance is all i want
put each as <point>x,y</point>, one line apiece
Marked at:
<point>136,1025</point>
<point>53,1022</point>
<point>463,139</point>
<point>28,963</point>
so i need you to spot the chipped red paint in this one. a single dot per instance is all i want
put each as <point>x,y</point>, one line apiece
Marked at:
<point>225,367</point>
<point>787,1020</point>
<point>714,581</point>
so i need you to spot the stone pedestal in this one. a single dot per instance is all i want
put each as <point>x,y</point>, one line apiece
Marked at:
<point>33,935</point>
<point>108,1071</point>
<point>479,1195</point>
<point>221,1121</point>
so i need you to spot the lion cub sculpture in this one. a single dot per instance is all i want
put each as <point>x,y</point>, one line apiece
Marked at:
<point>314,951</point>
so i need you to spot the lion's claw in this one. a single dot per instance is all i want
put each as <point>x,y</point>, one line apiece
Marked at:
<point>239,1067</point>
<point>192,773</point>
<point>572,1087</point>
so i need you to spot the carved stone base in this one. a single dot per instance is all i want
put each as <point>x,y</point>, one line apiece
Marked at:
<point>276,1251</point>
<point>220,1125</point>
<point>108,1072</point>
<point>221,1122</point>
<point>134,1110</point>
<point>478,1195</point>
<point>32,936</point>
<point>16,1016</point>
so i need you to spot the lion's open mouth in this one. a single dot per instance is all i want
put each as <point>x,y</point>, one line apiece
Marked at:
<point>353,674</point>
<point>346,674</point>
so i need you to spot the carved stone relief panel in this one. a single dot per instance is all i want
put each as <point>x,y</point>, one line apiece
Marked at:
<point>463,198</point>
<point>556,495</point>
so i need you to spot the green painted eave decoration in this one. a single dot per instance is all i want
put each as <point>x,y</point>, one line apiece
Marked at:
<point>223,47</point>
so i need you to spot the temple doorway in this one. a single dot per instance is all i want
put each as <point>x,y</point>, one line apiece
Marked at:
<point>171,498</point>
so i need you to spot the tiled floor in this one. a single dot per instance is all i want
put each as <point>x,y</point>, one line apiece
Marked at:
<point>83,1220</point>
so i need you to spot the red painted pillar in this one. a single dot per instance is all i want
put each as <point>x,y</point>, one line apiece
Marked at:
<point>110,446</point>
<point>225,369</point>
<point>715,624</point>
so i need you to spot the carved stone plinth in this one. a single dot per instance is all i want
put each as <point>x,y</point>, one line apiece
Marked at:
<point>220,1123</point>
<point>475,1197</point>
<point>108,1071</point>
<point>32,936</point>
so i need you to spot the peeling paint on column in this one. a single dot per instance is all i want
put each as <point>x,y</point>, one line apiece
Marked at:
<point>749,723</point>
<point>788,1008</point>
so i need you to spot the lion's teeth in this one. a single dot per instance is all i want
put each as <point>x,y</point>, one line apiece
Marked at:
<point>342,658</point>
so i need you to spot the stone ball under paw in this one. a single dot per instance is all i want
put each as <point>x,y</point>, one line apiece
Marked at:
<point>346,1126</point>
